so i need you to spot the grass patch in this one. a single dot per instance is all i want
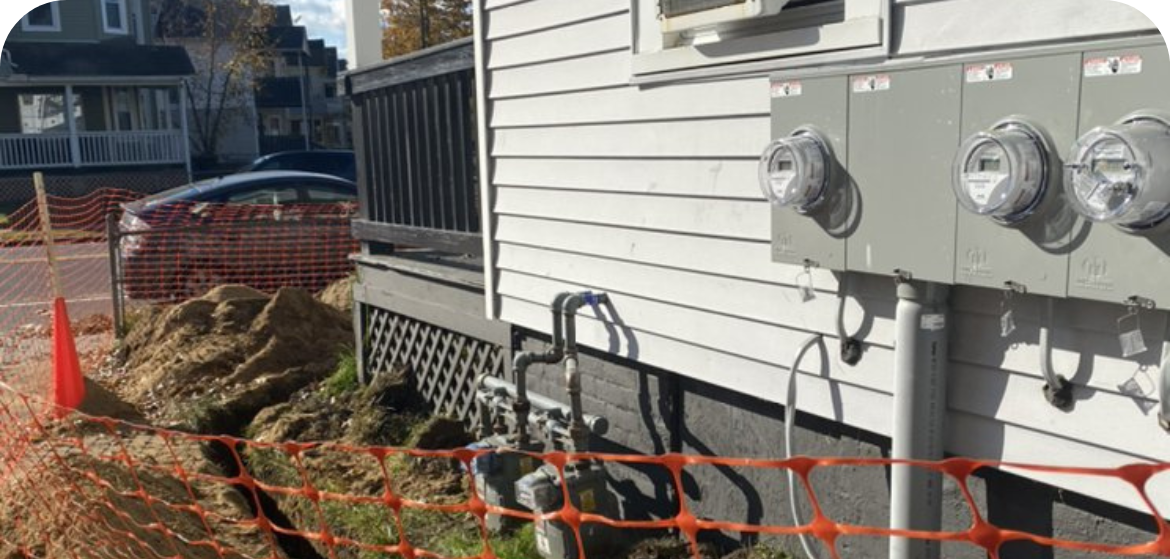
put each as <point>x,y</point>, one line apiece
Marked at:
<point>345,378</point>
<point>518,545</point>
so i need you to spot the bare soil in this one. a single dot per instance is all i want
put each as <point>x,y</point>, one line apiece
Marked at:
<point>209,364</point>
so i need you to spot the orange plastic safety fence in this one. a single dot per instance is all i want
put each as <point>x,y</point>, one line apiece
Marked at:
<point>78,228</point>
<point>96,487</point>
<point>167,252</point>
<point>181,250</point>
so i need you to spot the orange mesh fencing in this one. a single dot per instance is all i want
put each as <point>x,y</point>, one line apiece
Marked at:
<point>164,253</point>
<point>79,233</point>
<point>181,250</point>
<point>97,487</point>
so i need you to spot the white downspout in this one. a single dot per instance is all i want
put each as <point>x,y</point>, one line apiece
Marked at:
<point>920,366</point>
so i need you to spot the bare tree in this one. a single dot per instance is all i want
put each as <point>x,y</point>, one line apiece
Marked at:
<point>229,44</point>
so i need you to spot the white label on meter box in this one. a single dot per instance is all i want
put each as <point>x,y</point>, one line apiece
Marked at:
<point>1113,66</point>
<point>982,186</point>
<point>933,322</point>
<point>1000,71</point>
<point>787,89</point>
<point>868,84</point>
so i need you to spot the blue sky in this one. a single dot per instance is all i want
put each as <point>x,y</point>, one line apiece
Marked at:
<point>324,19</point>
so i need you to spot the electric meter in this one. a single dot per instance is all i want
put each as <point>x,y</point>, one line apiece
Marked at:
<point>795,171</point>
<point>1120,174</point>
<point>1003,173</point>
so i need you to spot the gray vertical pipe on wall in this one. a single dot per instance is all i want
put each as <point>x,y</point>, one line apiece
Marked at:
<point>920,364</point>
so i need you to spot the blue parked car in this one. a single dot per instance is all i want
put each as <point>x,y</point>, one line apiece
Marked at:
<point>267,229</point>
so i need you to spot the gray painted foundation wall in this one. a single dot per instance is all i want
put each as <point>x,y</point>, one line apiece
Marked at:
<point>652,411</point>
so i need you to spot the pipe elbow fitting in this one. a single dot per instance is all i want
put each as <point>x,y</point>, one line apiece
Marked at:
<point>522,361</point>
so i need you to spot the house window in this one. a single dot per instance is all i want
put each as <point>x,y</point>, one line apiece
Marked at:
<point>274,126</point>
<point>44,113</point>
<point>46,17</point>
<point>719,37</point>
<point>114,16</point>
<point>124,109</point>
<point>297,128</point>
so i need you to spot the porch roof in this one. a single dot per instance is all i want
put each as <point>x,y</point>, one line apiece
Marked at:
<point>37,61</point>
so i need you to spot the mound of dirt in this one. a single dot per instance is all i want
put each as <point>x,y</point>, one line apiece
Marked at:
<point>339,295</point>
<point>382,413</point>
<point>211,363</point>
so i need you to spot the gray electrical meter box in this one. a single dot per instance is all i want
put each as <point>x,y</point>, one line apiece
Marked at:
<point>1116,175</point>
<point>803,171</point>
<point>903,130</point>
<point>1014,224</point>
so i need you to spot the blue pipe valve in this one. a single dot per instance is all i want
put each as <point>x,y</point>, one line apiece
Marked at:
<point>594,299</point>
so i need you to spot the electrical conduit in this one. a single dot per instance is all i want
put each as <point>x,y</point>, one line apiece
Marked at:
<point>789,429</point>
<point>1057,388</point>
<point>920,365</point>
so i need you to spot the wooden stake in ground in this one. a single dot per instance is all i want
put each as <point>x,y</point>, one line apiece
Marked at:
<point>47,234</point>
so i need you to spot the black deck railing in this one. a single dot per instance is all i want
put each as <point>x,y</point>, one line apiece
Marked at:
<point>415,138</point>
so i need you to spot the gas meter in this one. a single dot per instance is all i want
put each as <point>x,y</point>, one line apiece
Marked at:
<point>496,474</point>
<point>796,171</point>
<point>1003,173</point>
<point>587,484</point>
<point>1120,174</point>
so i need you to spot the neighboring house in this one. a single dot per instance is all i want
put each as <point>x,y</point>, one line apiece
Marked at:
<point>620,154</point>
<point>82,87</point>
<point>297,100</point>
<point>222,108</point>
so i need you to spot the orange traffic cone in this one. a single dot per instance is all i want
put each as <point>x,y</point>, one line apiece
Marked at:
<point>68,383</point>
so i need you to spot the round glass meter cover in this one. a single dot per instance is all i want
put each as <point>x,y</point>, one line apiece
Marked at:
<point>1105,176</point>
<point>1000,173</point>
<point>793,171</point>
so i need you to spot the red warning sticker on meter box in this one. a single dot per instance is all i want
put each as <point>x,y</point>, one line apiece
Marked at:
<point>1113,66</point>
<point>787,89</point>
<point>1000,71</point>
<point>869,84</point>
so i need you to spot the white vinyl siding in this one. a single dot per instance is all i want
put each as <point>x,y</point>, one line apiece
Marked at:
<point>649,193</point>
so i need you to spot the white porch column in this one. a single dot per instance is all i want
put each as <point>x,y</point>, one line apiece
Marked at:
<point>363,32</point>
<point>186,134</point>
<point>74,142</point>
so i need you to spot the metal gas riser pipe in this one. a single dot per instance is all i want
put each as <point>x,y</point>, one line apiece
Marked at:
<point>578,431</point>
<point>524,359</point>
<point>920,366</point>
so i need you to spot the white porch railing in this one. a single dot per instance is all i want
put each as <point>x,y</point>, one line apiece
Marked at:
<point>92,149</point>
<point>130,148</point>
<point>35,151</point>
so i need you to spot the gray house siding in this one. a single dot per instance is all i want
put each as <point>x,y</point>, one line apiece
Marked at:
<point>81,21</point>
<point>649,193</point>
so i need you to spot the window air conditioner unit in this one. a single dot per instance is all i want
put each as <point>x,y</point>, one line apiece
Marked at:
<point>682,15</point>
